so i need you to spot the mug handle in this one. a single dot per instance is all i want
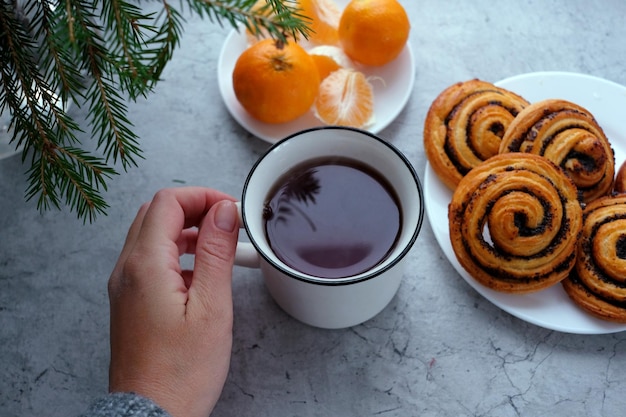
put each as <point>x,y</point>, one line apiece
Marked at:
<point>246,254</point>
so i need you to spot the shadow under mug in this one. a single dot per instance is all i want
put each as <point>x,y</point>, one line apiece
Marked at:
<point>329,303</point>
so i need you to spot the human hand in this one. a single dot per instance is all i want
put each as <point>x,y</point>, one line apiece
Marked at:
<point>171,330</point>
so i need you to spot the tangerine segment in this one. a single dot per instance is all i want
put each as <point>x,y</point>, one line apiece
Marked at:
<point>275,82</point>
<point>373,32</point>
<point>329,58</point>
<point>345,98</point>
<point>324,15</point>
<point>325,65</point>
<point>334,52</point>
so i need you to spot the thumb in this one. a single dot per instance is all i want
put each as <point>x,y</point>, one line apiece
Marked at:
<point>210,289</point>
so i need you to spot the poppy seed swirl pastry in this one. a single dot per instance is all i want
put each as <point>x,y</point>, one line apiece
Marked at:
<point>568,135</point>
<point>598,282</point>
<point>619,186</point>
<point>514,221</point>
<point>464,127</point>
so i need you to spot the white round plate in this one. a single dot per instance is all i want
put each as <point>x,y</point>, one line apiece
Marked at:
<point>392,84</point>
<point>550,308</point>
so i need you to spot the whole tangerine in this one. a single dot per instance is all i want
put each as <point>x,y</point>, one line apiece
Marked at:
<point>324,20</point>
<point>275,82</point>
<point>373,32</point>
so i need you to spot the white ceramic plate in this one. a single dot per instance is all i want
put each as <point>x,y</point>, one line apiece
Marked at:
<point>550,308</point>
<point>390,96</point>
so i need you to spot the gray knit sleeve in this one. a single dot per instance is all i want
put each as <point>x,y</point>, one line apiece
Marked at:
<point>124,404</point>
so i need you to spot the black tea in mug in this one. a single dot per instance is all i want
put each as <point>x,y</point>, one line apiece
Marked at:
<point>332,218</point>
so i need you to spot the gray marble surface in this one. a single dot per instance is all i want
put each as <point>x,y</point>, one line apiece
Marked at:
<point>439,348</point>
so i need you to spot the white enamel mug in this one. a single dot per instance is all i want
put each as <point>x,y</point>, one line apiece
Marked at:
<point>329,303</point>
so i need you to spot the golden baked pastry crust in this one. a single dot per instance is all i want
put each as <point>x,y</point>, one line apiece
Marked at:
<point>514,221</point>
<point>598,282</point>
<point>568,135</point>
<point>464,127</point>
<point>619,186</point>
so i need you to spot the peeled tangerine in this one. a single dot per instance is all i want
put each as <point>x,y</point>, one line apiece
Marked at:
<point>345,98</point>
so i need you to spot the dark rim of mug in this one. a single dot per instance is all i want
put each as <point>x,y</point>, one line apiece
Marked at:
<point>347,280</point>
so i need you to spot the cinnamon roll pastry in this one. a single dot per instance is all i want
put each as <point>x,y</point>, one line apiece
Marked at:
<point>619,186</point>
<point>568,135</point>
<point>514,221</point>
<point>598,281</point>
<point>464,127</point>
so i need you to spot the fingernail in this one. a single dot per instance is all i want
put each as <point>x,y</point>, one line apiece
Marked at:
<point>226,216</point>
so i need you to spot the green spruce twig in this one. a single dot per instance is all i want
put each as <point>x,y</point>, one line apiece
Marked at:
<point>98,54</point>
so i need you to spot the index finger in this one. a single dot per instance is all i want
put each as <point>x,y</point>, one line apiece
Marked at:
<point>175,209</point>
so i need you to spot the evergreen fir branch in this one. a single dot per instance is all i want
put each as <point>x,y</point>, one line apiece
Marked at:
<point>72,173</point>
<point>97,53</point>
<point>57,61</point>
<point>286,15</point>
<point>110,123</point>
<point>160,48</point>
<point>42,125</point>
<point>279,18</point>
<point>17,67</point>
<point>42,184</point>
<point>81,177</point>
<point>107,110</point>
<point>128,32</point>
<point>32,102</point>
